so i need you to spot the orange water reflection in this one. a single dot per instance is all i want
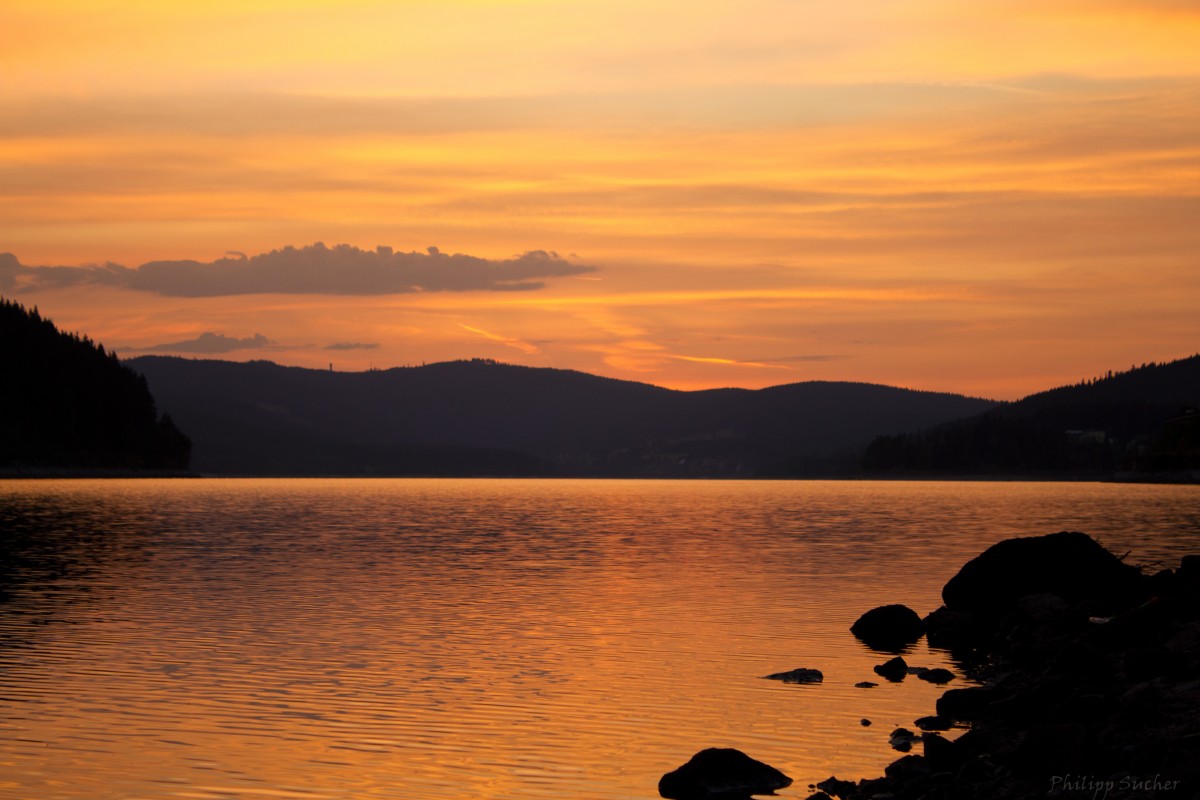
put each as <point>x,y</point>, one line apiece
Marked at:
<point>483,639</point>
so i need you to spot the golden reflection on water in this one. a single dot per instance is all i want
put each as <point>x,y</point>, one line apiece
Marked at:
<point>480,639</point>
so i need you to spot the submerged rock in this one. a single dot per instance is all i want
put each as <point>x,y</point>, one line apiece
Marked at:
<point>894,670</point>
<point>902,739</point>
<point>865,685</point>
<point>721,773</point>
<point>889,628</point>
<point>800,675</point>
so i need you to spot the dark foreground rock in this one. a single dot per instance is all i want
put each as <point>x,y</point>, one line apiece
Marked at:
<point>1070,565</point>
<point>1090,677</point>
<point>721,774</point>
<point>889,628</point>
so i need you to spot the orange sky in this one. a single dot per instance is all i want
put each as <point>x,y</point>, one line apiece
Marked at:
<point>990,198</point>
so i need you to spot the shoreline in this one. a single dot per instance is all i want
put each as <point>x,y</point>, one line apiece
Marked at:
<point>1088,676</point>
<point>1087,673</point>
<point>57,473</point>
<point>62,473</point>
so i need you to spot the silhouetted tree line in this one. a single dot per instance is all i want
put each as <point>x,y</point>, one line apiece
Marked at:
<point>1178,445</point>
<point>68,403</point>
<point>1127,421</point>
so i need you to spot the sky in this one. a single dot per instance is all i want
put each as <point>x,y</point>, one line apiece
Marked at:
<point>990,198</point>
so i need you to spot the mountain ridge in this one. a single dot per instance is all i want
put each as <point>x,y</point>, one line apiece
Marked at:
<point>572,422</point>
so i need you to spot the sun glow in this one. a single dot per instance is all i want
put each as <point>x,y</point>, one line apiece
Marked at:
<point>901,185</point>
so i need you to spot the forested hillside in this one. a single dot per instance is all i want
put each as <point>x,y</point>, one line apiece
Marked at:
<point>67,403</point>
<point>1139,421</point>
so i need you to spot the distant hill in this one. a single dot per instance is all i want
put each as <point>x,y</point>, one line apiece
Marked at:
<point>1142,421</point>
<point>67,404</point>
<point>262,418</point>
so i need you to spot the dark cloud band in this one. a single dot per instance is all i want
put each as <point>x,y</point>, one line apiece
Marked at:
<point>353,346</point>
<point>315,269</point>
<point>208,342</point>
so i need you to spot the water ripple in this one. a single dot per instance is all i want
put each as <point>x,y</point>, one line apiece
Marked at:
<point>490,639</point>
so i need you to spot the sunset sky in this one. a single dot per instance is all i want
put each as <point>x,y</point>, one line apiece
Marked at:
<point>990,197</point>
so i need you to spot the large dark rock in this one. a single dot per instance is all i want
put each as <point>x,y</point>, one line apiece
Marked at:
<point>1068,564</point>
<point>889,628</point>
<point>721,774</point>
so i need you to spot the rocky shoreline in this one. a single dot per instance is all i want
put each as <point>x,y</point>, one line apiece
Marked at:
<point>1089,685</point>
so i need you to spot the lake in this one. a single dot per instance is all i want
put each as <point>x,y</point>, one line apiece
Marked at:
<point>427,639</point>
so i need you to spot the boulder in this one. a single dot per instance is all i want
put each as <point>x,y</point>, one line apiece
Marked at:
<point>721,773</point>
<point>952,630</point>
<point>938,676</point>
<point>966,704</point>
<point>907,768</point>
<point>1071,565</point>
<point>889,628</point>
<point>800,675</point>
<point>838,788</point>
<point>894,670</point>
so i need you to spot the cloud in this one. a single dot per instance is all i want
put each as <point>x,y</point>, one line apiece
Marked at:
<point>728,362</point>
<point>9,269</point>
<point>804,358</point>
<point>315,269</point>
<point>353,346</point>
<point>518,344</point>
<point>209,342</point>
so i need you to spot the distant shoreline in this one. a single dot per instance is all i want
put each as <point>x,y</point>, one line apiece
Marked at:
<point>67,473</point>
<point>55,473</point>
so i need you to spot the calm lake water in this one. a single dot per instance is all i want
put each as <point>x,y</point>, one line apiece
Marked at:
<point>426,639</point>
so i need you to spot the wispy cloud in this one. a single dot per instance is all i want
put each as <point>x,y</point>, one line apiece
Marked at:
<point>729,362</point>
<point>812,359</point>
<point>315,269</point>
<point>519,344</point>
